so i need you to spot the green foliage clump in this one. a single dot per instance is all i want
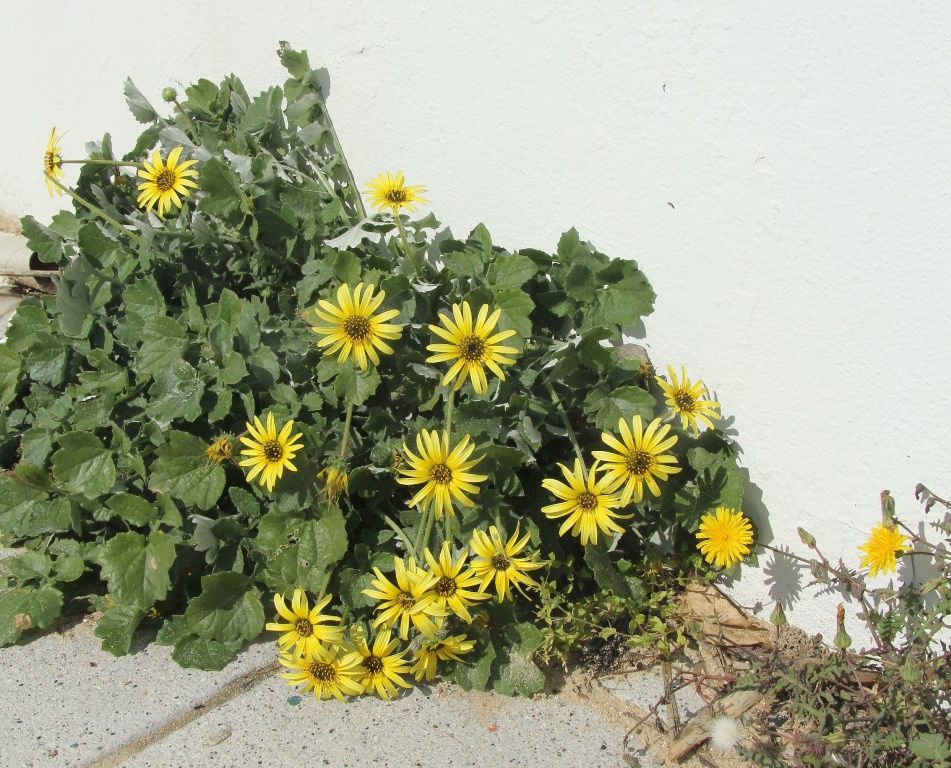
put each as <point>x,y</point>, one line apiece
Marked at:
<point>167,334</point>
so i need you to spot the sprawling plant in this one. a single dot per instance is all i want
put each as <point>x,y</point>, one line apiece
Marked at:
<point>246,387</point>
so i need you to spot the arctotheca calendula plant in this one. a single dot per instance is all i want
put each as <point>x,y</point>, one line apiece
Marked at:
<point>255,405</point>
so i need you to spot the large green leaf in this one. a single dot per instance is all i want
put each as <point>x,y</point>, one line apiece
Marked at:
<point>184,472</point>
<point>26,608</point>
<point>9,374</point>
<point>136,568</point>
<point>227,609</point>
<point>606,408</point>
<point>117,627</point>
<point>163,344</point>
<point>84,465</point>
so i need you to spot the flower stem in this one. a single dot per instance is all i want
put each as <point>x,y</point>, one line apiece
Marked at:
<point>398,530</point>
<point>188,119</point>
<point>94,209</point>
<point>450,404</point>
<point>91,161</point>
<point>344,444</point>
<point>406,246</point>
<point>572,435</point>
<point>425,529</point>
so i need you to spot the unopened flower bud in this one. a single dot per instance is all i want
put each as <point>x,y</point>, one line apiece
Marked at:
<point>842,639</point>
<point>778,616</point>
<point>169,94</point>
<point>888,509</point>
<point>807,538</point>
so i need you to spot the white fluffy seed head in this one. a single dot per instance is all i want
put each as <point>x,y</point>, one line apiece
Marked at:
<point>725,733</point>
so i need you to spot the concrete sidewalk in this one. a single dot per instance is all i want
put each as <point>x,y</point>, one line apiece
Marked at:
<point>66,703</point>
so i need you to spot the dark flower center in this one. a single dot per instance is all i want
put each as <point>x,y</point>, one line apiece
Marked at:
<point>445,587</point>
<point>357,328</point>
<point>373,664</point>
<point>472,349</point>
<point>396,195</point>
<point>323,672</point>
<point>639,462</point>
<point>50,161</point>
<point>304,628</point>
<point>441,474</point>
<point>405,600</point>
<point>684,400</point>
<point>165,180</point>
<point>500,562</point>
<point>587,501</point>
<point>273,451</point>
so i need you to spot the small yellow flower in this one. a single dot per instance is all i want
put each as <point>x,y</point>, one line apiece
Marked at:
<point>439,649</point>
<point>882,548</point>
<point>52,162</point>
<point>639,459</point>
<point>724,537</point>
<point>444,474</point>
<point>353,328</point>
<point>497,560</point>
<point>327,670</point>
<point>585,502</point>
<point>689,400</point>
<point>410,599</point>
<point>388,191</point>
<point>269,452</point>
<point>165,183</point>
<point>220,450</point>
<point>382,668</point>
<point>453,582</point>
<point>335,482</point>
<point>472,345</point>
<point>304,627</point>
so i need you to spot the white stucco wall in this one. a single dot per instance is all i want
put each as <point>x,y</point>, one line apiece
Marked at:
<point>780,171</point>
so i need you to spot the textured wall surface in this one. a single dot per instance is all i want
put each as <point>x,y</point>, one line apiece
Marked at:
<point>781,173</point>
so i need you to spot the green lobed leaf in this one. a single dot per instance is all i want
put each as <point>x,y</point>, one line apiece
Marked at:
<point>183,472</point>
<point>26,608</point>
<point>606,408</point>
<point>136,568</point>
<point>139,106</point>
<point>9,374</point>
<point>227,609</point>
<point>84,465</point>
<point>116,628</point>
<point>201,653</point>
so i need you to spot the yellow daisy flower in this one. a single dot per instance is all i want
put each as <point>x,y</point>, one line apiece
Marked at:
<point>639,459</point>
<point>269,452</point>
<point>689,400</point>
<point>388,191</point>
<point>453,581</point>
<point>52,162</point>
<point>335,482</point>
<point>472,345</point>
<point>410,599</point>
<point>353,328</point>
<point>220,450</point>
<point>724,537</point>
<point>166,183</point>
<point>498,561</point>
<point>882,548</point>
<point>439,649</point>
<point>444,474</point>
<point>585,502</point>
<point>326,670</point>
<point>304,627</point>
<point>381,668</point>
